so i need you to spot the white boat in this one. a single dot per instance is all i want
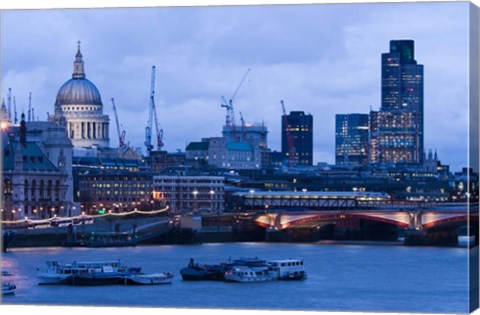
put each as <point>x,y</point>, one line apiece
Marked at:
<point>148,279</point>
<point>8,288</point>
<point>249,274</point>
<point>55,273</point>
<point>249,270</point>
<point>288,269</point>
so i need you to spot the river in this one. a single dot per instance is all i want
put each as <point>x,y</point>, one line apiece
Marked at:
<point>368,278</point>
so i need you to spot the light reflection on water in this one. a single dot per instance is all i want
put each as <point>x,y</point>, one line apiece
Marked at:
<point>341,277</point>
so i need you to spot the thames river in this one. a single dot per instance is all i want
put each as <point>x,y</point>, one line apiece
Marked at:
<point>341,277</point>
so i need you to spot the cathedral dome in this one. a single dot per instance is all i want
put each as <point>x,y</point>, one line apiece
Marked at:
<point>78,91</point>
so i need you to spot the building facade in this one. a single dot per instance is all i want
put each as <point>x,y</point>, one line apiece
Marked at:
<point>351,139</point>
<point>220,153</point>
<point>397,130</point>
<point>186,194</point>
<point>79,103</point>
<point>102,191</point>
<point>297,138</point>
<point>37,179</point>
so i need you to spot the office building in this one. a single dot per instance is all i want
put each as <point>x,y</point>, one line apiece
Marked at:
<point>397,130</point>
<point>297,138</point>
<point>351,139</point>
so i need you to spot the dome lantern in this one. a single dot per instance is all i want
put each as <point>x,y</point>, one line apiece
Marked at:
<point>78,70</point>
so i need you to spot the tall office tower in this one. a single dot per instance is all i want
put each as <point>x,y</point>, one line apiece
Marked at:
<point>351,139</point>
<point>396,131</point>
<point>297,138</point>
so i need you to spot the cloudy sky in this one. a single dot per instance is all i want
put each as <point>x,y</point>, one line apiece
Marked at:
<point>323,59</point>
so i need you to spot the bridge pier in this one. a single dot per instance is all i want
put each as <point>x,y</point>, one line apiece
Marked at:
<point>415,237</point>
<point>433,237</point>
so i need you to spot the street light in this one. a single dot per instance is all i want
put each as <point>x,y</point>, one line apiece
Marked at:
<point>212,193</point>
<point>195,205</point>
<point>251,191</point>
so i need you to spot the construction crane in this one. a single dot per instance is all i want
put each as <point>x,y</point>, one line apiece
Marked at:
<point>9,103</point>
<point>148,129</point>
<point>121,133</point>
<point>230,115</point>
<point>157,128</point>
<point>290,137</point>
<point>153,118</point>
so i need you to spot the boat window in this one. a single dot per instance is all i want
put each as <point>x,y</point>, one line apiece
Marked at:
<point>283,264</point>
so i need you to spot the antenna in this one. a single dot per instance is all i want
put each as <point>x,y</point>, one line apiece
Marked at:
<point>29,106</point>
<point>15,120</point>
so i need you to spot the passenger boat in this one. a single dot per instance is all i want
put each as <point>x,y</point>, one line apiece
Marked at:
<point>249,270</point>
<point>8,288</point>
<point>86,273</point>
<point>195,271</point>
<point>288,269</point>
<point>55,273</point>
<point>100,273</point>
<point>148,279</point>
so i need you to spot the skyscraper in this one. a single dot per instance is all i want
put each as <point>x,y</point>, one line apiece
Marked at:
<point>351,139</point>
<point>396,131</point>
<point>297,138</point>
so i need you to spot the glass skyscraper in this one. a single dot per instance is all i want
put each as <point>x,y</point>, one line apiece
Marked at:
<point>396,131</point>
<point>351,139</point>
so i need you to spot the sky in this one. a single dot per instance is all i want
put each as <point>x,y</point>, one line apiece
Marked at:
<point>323,59</point>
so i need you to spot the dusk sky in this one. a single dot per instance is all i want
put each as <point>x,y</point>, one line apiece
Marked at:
<point>323,59</point>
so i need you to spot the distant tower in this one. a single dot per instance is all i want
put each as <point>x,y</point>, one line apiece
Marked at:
<point>300,127</point>
<point>397,129</point>
<point>351,139</point>
<point>79,103</point>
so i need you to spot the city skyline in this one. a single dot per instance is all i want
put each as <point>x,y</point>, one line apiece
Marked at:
<point>198,62</point>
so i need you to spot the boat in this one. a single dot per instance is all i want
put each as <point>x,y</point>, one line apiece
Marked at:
<point>100,273</point>
<point>288,269</point>
<point>249,270</point>
<point>55,273</point>
<point>8,288</point>
<point>86,273</point>
<point>148,279</point>
<point>195,271</point>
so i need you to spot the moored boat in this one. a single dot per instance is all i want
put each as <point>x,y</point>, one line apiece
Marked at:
<point>195,271</point>
<point>86,273</point>
<point>249,270</point>
<point>148,279</point>
<point>100,273</point>
<point>8,288</point>
<point>288,269</point>
<point>55,273</point>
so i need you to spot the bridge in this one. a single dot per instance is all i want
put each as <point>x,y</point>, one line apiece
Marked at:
<point>420,226</point>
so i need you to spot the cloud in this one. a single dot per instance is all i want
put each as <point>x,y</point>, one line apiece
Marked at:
<point>322,59</point>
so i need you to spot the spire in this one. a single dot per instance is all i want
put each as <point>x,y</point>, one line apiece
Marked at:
<point>3,111</point>
<point>23,131</point>
<point>78,71</point>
